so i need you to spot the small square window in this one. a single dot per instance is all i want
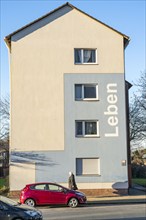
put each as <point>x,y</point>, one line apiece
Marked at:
<point>86,92</point>
<point>85,56</point>
<point>87,129</point>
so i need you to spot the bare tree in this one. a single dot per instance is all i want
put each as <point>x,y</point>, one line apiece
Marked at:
<point>4,119</point>
<point>138,111</point>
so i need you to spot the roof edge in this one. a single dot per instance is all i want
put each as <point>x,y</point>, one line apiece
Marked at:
<point>7,39</point>
<point>125,36</point>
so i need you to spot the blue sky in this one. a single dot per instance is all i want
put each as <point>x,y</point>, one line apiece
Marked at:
<point>126,16</point>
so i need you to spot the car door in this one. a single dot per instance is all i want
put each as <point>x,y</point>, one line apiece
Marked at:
<point>41,194</point>
<point>57,194</point>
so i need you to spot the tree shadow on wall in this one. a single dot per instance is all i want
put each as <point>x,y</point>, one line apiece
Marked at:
<point>31,158</point>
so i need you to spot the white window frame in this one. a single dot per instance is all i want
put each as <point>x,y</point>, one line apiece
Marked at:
<point>84,166</point>
<point>82,56</point>
<point>83,98</point>
<point>83,128</point>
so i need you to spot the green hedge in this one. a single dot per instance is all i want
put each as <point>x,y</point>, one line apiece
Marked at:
<point>4,185</point>
<point>139,181</point>
<point>138,171</point>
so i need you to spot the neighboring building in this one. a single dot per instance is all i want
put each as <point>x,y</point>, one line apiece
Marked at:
<point>68,102</point>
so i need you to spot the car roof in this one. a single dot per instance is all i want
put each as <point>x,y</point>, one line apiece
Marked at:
<point>41,183</point>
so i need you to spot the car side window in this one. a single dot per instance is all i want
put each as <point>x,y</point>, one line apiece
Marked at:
<point>55,188</point>
<point>40,187</point>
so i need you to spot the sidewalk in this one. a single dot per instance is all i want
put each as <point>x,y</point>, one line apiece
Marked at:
<point>137,194</point>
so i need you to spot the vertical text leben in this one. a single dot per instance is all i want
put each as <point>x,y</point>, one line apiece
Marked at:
<point>112,111</point>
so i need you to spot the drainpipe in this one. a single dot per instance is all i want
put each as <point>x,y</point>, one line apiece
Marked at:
<point>127,87</point>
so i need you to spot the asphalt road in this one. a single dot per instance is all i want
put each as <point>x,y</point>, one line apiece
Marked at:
<point>99,212</point>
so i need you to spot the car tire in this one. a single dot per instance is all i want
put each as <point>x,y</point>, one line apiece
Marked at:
<point>30,202</point>
<point>73,203</point>
<point>18,218</point>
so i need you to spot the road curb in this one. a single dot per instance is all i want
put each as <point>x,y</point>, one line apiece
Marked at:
<point>116,200</point>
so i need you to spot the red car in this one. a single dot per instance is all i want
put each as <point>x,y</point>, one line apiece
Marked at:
<point>50,194</point>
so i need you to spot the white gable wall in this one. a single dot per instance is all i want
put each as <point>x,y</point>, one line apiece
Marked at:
<point>38,63</point>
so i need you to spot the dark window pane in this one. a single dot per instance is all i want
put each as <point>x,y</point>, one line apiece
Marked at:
<point>89,91</point>
<point>93,56</point>
<point>78,91</point>
<point>90,128</point>
<point>79,130</point>
<point>78,56</point>
<point>79,167</point>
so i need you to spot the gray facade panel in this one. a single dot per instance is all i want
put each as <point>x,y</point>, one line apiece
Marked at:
<point>110,146</point>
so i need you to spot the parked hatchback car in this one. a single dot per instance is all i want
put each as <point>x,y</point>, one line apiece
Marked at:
<point>51,194</point>
<point>11,210</point>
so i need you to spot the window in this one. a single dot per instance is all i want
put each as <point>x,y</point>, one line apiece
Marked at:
<point>87,166</point>
<point>85,56</point>
<point>87,128</point>
<point>86,92</point>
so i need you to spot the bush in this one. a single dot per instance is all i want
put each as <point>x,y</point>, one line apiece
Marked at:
<point>138,171</point>
<point>4,185</point>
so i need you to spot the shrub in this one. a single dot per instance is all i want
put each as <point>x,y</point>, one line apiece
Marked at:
<point>138,171</point>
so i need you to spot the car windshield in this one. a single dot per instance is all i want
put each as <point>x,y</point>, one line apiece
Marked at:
<point>8,201</point>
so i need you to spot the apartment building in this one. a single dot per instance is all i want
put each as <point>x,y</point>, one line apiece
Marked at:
<point>68,102</point>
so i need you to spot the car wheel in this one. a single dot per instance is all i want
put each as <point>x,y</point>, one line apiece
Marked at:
<point>30,202</point>
<point>73,202</point>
